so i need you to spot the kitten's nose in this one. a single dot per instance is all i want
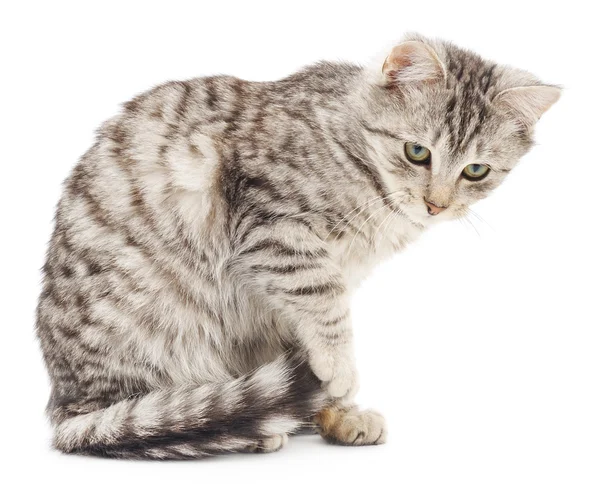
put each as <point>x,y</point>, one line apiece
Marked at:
<point>432,208</point>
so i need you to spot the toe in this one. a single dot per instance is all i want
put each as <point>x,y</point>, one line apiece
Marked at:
<point>272,444</point>
<point>349,426</point>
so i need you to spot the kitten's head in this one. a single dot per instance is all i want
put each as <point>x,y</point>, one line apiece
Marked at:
<point>448,126</point>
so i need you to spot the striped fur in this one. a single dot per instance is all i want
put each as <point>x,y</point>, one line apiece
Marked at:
<point>215,231</point>
<point>191,421</point>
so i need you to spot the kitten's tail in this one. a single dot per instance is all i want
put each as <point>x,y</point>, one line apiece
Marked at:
<point>195,421</point>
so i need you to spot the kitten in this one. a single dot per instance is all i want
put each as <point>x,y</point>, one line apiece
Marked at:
<point>196,289</point>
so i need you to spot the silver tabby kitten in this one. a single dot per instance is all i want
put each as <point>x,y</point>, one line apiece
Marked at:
<point>196,289</point>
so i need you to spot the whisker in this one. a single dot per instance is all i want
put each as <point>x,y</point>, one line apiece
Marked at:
<point>365,205</point>
<point>372,200</point>
<point>473,226</point>
<point>479,218</point>
<point>349,249</point>
<point>463,223</point>
<point>383,222</point>
<point>395,213</point>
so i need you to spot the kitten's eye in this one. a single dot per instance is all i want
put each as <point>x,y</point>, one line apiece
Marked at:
<point>417,154</point>
<point>475,172</point>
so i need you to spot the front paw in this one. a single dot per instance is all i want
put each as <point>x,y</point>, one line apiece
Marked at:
<point>338,371</point>
<point>350,426</point>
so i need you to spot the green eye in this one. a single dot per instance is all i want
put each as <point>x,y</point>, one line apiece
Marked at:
<point>417,154</point>
<point>475,172</point>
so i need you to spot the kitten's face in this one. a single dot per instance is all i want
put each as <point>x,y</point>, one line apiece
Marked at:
<point>451,166</point>
<point>461,125</point>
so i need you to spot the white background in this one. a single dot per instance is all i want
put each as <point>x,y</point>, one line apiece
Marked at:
<point>482,350</point>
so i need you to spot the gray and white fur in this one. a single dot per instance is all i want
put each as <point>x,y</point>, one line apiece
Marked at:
<point>196,290</point>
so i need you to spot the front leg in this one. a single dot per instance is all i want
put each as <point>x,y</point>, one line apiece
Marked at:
<point>296,275</point>
<point>322,323</point>
<point>315,302</point>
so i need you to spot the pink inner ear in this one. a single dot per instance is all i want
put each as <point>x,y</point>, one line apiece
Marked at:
<point>412,62</point>
<point>396,61</point>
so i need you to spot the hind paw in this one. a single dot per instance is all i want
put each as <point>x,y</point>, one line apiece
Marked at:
<point>270,444</point>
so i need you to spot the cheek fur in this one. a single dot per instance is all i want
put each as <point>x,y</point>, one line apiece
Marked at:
<point>478,190</point>
<point>403,168</point>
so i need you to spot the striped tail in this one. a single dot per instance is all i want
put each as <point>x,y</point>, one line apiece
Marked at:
<point>195,421</point>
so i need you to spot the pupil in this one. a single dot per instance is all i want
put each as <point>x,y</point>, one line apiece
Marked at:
<point>418,150</point>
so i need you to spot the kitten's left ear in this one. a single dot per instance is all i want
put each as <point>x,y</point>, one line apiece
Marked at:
<point>527,103</point>
<point>412,62</point>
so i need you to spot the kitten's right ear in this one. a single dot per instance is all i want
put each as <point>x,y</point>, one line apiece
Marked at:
<point>412,62</point>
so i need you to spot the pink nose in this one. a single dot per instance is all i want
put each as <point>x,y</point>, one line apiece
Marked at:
<point>433,209</point>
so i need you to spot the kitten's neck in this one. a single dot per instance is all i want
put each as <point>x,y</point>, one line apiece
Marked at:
<point>381,221</point>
